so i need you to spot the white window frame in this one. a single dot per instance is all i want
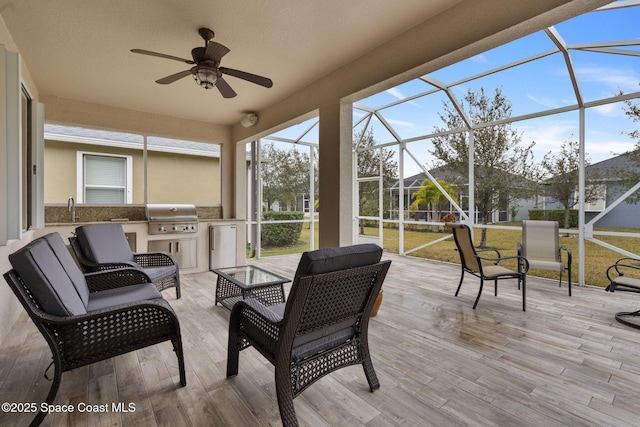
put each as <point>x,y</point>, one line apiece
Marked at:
<point>80,174</point>
<point>597,206</point>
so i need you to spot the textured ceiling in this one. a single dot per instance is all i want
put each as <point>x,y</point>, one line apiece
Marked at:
<point>80,50</point>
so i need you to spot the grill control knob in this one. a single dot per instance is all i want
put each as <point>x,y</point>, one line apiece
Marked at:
<point>174,228</point>
<point>162,229</point>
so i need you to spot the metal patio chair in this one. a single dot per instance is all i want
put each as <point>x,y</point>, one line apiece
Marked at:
<point>541,247</point>
<point>472,263</point>
<point>624,276</point>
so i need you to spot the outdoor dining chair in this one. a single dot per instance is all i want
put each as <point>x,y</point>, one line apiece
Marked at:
<point>624,276</point>
<point>473,264</point>
<point>541,247</point>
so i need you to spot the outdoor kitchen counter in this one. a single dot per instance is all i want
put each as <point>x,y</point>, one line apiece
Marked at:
<point>142,236</point>
<point>79,223</point>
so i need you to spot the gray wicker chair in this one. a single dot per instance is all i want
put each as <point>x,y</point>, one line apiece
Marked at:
<point>541,247</point>
<point>473,264</point>
<point>322,327</point>
<point>101,247</point>
<point>92,317</point>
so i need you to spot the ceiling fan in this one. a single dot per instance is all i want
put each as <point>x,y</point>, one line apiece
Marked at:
<point>207,71</point>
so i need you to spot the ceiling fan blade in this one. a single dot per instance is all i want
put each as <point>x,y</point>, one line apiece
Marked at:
<point>215,51</point>
<point>173,77</point>
<point>253,78</point>
<point>224,88</point>
<point>162,55</point>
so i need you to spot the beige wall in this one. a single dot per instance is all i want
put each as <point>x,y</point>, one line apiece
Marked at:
<point>173,177</point>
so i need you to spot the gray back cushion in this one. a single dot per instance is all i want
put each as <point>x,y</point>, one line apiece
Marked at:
<point>334,259</point>
<point>69,264</point>
<point>46,279</point>
<point>104,243</point>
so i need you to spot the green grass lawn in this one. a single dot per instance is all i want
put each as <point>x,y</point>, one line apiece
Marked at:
<point>597,258</point>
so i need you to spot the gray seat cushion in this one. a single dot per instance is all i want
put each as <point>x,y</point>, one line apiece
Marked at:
<point>158,273</point>
<point>334,259</point>
<point>123,295</point>
<point>308,345</point>
<point>104,243</point>
<point>47,280</point>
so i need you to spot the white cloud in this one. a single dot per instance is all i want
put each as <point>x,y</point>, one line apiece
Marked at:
<point>402,123</point>
<point>609,110</point>
<point>479,58</point>
<point>396,93</point>
<point>625,79</point>
<point>545,102</point>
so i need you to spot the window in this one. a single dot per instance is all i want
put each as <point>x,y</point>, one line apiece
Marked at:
<point>598,200</point>
<point>105,179</point>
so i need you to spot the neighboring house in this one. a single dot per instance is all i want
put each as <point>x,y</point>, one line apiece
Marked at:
<point>608,172</point>
<point>101,167</point>
<point>515,211</point>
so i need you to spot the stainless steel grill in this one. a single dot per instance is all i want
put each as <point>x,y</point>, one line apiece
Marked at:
<point>172,218</point>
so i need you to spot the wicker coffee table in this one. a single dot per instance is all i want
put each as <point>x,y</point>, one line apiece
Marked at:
<point>248,281</point>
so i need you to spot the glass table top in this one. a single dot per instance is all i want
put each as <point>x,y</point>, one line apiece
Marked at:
<point>250,276</point>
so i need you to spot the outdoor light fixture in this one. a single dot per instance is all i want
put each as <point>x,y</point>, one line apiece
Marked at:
<point>249,120</point>
<point>205,76</point>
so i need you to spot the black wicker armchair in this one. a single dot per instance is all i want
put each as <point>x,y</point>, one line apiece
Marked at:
<point>92,317</point>
<point>322,327</point>
<point>99,247</point>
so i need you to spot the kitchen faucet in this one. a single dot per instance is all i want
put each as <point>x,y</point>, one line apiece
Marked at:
<point>71,207</point>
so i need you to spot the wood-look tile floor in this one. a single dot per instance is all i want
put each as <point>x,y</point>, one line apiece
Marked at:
<point>565,361</point>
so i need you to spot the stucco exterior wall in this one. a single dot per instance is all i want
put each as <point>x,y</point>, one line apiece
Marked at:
<point>172,177</point>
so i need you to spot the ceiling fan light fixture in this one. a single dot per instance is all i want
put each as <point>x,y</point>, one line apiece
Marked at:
<point>206,77</point>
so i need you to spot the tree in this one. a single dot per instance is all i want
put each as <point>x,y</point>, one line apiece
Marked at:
<point>630,176</point>
<point>560,175</point>
<point>429,195</point>
<point>502,165</point>
<point>285,175</point>
<point>373,162</point>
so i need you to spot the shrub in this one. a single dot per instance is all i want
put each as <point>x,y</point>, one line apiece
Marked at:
<point>555,215</point>
<point>281,234</point>
<point>449,218</point>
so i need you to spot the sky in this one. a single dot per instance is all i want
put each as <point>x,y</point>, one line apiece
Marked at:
<point>531,87</point>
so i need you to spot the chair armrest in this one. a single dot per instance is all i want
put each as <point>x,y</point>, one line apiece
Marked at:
<point>522,261</point>
<point>128,309</point>
<point>620,268</point>
<point>489,249</point>
<point>257,326</point>
<point>115,278</point>
<point>154,259</point>
<point>253,305</point>
<point>569,255</point>
<point>94,266</point>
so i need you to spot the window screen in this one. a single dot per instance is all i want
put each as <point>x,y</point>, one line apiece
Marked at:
<point>105,179</point>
